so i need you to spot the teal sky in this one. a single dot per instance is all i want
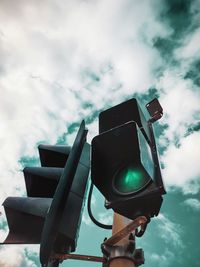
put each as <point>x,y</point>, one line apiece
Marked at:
<point>64,61</point>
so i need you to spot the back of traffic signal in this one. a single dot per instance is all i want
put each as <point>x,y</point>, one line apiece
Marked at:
<point>50,215</point>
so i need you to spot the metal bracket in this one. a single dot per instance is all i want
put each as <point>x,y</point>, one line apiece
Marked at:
<point>62,257</point>
<point>124,252</point>
<point>112,251</point>
<point>132,226</point>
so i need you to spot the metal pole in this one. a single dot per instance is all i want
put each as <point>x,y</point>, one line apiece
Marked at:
<point>120,222</point>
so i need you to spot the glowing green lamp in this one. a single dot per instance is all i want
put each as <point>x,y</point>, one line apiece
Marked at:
<point>130,179</point>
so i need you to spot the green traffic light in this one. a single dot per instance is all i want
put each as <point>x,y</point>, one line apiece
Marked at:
<point>130,180</point>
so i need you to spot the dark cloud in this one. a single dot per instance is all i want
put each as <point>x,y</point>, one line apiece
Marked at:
<point>193,128</point>
<point>194,72</point>
<point>178,15</point>
<point>29,161</point>
<point>91,75</point>
<point>71,129</point>
<point>166,46</point>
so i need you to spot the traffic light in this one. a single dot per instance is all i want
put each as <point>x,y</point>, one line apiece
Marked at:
<point>124,162</point>
<point>51,213</point>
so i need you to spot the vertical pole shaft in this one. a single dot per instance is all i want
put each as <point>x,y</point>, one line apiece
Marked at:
<point>120,222</point>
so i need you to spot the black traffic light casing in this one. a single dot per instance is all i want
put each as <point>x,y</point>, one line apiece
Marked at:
<point>125,166</point>
<point>50,215</point>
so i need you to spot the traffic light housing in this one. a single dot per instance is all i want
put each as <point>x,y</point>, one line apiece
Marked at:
<point>125,166</point>
<point>51,213</point>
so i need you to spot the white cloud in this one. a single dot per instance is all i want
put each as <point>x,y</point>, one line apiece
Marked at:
<point>169,231</point>
<point>193,203</point>
<point>190,50</point>
<point>181,101</point>
<point>93,200</point>
<point>86,219</point>
<point>182,164</point>
<point>14,256</point>
<point>105,217</point>
<point>3,235</point>
<point>165,259</point>
<point>49,52</point>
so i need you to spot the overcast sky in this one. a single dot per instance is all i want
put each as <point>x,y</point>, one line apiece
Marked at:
<point>64,61</point>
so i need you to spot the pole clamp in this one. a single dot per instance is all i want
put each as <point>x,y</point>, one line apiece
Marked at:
<point>127,251</point>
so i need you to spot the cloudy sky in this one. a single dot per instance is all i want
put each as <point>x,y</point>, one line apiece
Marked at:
<point>64,61</point>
